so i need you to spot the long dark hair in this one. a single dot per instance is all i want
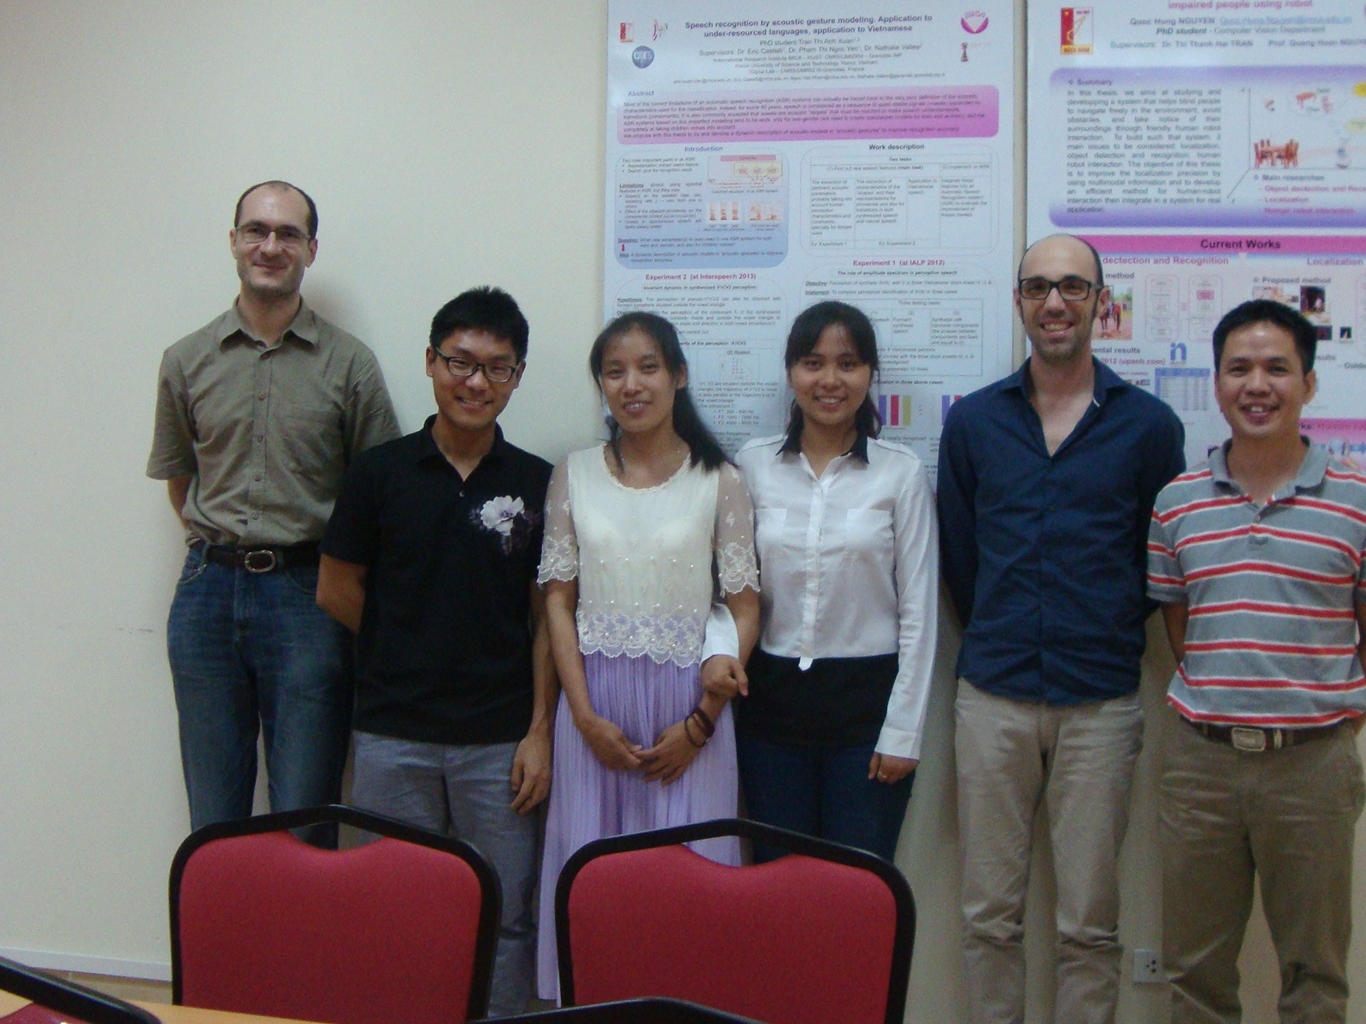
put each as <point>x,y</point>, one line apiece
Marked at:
<point>802,340</point>
<point>687,423</point>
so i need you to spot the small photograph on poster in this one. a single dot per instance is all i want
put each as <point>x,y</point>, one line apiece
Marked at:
<point>1114,319</point>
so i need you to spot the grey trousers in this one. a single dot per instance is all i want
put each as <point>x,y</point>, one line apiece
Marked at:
<point>465,792</point>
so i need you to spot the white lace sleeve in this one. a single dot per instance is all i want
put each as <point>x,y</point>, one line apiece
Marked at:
<point>736,567</point>
<point>560,549</point>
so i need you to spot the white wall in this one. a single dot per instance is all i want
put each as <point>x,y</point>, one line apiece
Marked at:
<point>447,144</point>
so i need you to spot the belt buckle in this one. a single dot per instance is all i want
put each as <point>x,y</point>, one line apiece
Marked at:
<point>259,561</point>
<point>1251,740</point>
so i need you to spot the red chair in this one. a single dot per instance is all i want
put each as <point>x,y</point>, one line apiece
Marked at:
<point>401,929</point>
<point>820,937</point>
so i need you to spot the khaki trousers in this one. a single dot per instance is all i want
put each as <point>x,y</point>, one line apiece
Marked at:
<point>1286,815</point>
<point>1078,762</point>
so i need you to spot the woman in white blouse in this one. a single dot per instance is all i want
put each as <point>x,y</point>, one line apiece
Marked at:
<point>829,735</point>
<point>639,532</point>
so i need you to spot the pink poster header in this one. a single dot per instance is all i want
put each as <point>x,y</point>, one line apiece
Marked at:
<point>807,115</point>
<point>1234,245</point>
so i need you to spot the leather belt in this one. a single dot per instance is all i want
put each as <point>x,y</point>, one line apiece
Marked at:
<point>1254,739</point>
<point>258,560</point>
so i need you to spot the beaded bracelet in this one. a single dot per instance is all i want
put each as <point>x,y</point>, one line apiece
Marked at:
<point>688,733</point>
<point>703,720</point>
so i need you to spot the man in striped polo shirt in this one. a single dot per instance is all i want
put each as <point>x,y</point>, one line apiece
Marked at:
<point>1257,559</point>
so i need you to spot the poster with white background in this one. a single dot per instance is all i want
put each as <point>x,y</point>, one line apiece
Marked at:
<point>758,163</point>
<point>1214,151</point>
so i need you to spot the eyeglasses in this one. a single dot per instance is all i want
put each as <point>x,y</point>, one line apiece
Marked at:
<point>497,373</point>
<point>1071,288</point>
<point>255,233</point>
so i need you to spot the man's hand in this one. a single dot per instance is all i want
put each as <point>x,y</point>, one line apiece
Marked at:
<point>724,676</point>
<point>609,744</point>
<point>889,768</point>
<point>531,771</point>
<point>672,753</point>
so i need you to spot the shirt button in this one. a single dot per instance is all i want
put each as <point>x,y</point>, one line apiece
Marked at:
<point>257,478</point>
<point>256,515</point>
<point>261,395</point>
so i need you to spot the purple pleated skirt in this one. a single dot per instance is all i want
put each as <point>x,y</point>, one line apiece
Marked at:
<point>589,801</point>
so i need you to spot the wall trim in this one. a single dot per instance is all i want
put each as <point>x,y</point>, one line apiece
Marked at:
<point>115,967</point>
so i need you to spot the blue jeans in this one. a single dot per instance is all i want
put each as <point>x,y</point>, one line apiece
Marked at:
<point>464,791</point>
<point>820,791</point>
<point>254,652</point>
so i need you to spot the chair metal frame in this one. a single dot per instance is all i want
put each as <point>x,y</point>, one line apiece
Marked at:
<point>633,1011</point>
<point>490,910</point>
<point>756,832</point>
<point>69,998</point>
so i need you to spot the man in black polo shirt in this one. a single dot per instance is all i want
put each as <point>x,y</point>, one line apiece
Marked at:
<point>430,558</point>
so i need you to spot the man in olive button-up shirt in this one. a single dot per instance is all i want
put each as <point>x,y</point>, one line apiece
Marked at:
<point>258,415</point>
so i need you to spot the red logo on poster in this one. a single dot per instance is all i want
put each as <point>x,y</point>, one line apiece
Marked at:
<point>1076,28</point>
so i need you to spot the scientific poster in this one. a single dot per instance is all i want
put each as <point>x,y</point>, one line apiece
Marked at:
<point>1214,151</point>
<point>758,163</point>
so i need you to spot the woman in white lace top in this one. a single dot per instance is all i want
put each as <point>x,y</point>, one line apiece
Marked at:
<point>639,534</point>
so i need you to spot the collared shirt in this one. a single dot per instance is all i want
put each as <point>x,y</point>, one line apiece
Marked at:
<point>848,568</point>
<point>1272,593</point>
<point>444,651</point>
<point>1044,555</point>
<point>265,431</point>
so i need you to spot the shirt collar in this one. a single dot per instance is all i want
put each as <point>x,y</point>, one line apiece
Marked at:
<point>1106,380</point>
<point>304,326</point>
<point>1310,475</point>
<point>792,444</point>
<point>426,446</point>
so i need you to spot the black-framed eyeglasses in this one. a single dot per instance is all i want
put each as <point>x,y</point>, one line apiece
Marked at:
<point>498,373</point>
<point>255,233</point>
<point>1071,288</point>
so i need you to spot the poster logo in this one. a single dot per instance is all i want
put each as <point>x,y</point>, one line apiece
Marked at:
<point>974,22</point>
<point>642,56</point>
<point>626,31</point>
<point>1078,34</point>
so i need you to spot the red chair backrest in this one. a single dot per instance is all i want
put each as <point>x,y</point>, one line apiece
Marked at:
<point>381,934</point>
<point>796,941</point>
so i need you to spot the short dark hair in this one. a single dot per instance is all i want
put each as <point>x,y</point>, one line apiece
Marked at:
<point>1267,311</point>
<point>687,421</point>
<point>1100,271</point>
<point>483,309</point>
<point>312,206</point>
<point>802,340</point>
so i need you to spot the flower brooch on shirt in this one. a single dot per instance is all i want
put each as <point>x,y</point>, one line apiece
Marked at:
<point>509,519</point>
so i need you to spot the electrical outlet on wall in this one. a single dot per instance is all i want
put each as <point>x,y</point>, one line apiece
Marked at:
<point>1148,967</point>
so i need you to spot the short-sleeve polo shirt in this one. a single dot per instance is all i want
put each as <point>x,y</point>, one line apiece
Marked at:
<point>444,650</point>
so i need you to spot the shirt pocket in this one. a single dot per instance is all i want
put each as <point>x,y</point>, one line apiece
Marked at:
<point>868,538</point>
<point>768,531</point>
<point>312,446</point>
